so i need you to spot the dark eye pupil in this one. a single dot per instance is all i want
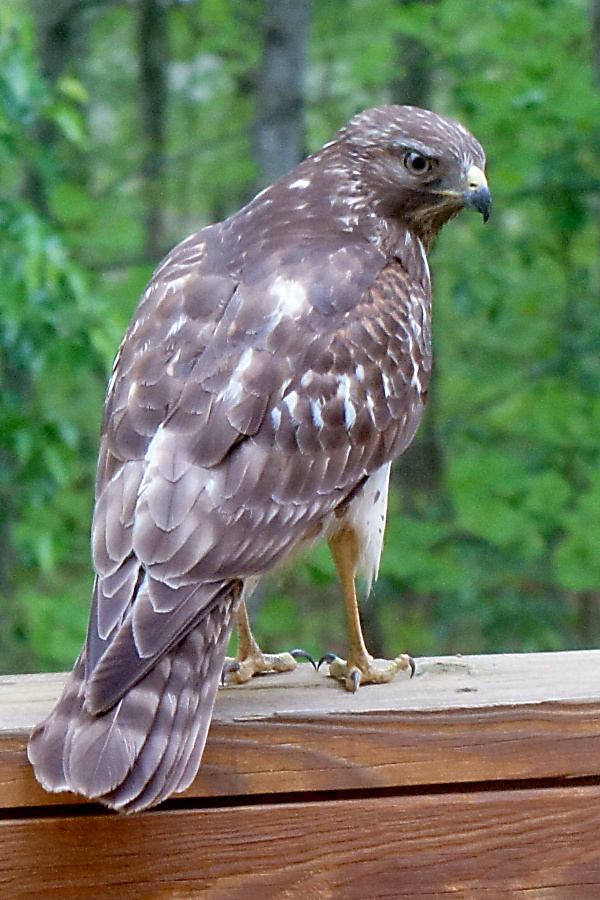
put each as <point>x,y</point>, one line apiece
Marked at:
<point>416,162</point>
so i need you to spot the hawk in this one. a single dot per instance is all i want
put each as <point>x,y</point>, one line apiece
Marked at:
<point>276,365</point>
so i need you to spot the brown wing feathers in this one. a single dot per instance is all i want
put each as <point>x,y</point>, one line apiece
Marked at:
<point>160,537</point>
<point>164,525</point>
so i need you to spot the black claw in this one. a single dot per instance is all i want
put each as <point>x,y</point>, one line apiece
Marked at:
<point>355,676</point>
<point>326,658</point>
<point>229,667</point>
<point>302,654</point>
<point>412,665</point>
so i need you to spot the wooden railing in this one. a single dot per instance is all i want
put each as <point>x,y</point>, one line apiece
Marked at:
<point>478,778</point>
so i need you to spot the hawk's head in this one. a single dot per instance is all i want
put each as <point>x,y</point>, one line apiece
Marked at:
<point>417,166</point>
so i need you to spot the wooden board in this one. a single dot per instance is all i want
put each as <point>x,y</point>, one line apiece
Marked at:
<point>530,844</point>
<point>478,778</point>
<point>459,721</point>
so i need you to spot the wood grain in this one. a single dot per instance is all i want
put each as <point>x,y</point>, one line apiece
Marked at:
<point>461,720</point>
<point>489,844</point>
<point>439,787</point>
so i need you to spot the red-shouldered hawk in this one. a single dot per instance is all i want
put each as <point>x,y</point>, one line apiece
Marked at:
<point>276,365</point>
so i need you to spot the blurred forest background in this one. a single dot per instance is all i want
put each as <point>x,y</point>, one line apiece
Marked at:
<point>127,124</point>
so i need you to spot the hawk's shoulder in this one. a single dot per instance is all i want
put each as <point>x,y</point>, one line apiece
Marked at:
<point>219,316</point>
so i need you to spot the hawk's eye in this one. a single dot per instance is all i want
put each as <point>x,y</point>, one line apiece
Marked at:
<point>416,163</point>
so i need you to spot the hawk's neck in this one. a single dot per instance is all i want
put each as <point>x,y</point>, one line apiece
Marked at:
<point>323,199</point>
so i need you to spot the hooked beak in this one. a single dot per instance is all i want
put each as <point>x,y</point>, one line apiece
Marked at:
<point>477,195</point>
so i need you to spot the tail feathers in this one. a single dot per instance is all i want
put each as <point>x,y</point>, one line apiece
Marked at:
<point>149,745</point>
<point>181,727</point>
<point>100,751</point>
<point>47,742</point>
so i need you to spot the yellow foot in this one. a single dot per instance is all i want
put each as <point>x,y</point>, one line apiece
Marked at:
<point>243,668</point>
<point>366,670</point>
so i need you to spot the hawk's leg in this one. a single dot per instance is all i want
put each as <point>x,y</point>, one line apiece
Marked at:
<point>250,660</point>
<point>360,667</point>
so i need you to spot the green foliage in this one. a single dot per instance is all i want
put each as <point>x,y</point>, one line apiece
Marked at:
<point>495,544</point>
<point>51,382</point>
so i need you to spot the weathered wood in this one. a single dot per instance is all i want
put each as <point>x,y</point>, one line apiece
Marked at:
<point>461,720</point>
<point>457,783</point>
<point>532,844</point>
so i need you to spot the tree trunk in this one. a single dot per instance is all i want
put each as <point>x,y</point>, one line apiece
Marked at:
<point>59,34</point>
<point>152,34</point>
<point>412,86</point>
<point>279,133</point>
